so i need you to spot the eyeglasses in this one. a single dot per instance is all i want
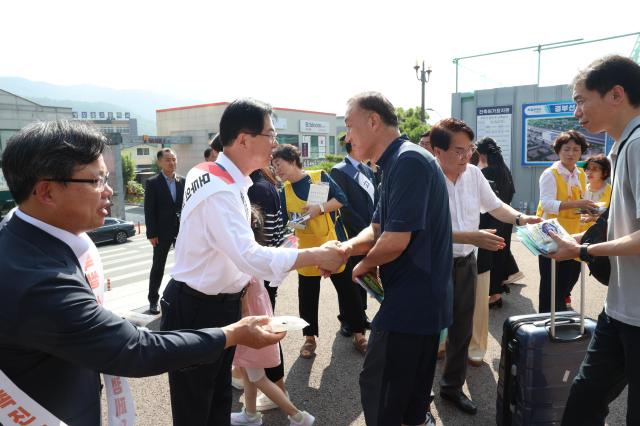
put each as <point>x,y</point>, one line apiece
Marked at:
<point>462,153</point>
<point>272,137</point>
<point>99,183</point>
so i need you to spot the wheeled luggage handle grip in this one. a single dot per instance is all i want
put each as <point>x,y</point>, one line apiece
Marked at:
<point>552,321</point>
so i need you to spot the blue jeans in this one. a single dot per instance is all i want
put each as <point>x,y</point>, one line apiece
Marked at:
<point>612,362</point>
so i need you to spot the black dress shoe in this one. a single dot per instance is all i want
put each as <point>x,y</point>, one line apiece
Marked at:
<point>461,401</point>
<point>154,309</point>
<point>497,304</point>
<point>345,331</point>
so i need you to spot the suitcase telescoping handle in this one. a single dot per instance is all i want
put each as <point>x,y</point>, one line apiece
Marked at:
<point>552,324</point>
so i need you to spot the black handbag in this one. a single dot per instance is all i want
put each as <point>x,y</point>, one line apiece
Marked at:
<point>600,266</point>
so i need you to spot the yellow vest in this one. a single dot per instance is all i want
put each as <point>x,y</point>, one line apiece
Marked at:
<point>318,230</point>
<point>568,218</point>
<point>604,198</point>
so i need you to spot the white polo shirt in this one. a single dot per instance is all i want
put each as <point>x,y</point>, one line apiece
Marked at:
<point>468,197</point>
<point>216,251</point>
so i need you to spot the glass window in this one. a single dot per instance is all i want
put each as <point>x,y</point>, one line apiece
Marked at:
<point>288,139</point>
<point>314,147</point>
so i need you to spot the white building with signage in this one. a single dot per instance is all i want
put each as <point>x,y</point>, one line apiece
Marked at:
<point>313,132</point>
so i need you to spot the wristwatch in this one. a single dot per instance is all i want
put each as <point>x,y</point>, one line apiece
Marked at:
<point>518,219</point>
<point>584,254</point>
<point>322,208</point>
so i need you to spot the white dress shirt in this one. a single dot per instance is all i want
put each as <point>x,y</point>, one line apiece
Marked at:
<point>216,251</point>
<point>468,197</point>
<point>78,244</point>
<point>548,188</point>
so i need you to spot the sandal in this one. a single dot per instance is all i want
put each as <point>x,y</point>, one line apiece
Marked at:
<point>308,350</point>
<point>360,344</point>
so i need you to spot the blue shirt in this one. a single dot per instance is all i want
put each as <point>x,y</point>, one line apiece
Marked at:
<point>417,285</point>
<point>172,185</point>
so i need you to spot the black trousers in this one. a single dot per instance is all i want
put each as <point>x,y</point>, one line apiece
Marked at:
<point>567,274</point>
<point>396,378</point>
<point>611,364</point>
<point>348,295</point>
<point>503,264</point>
<point>352,262</point>
<point>200,395</point>
<point>160,253</point>
<point>274,373</point>
<point>465,277</point>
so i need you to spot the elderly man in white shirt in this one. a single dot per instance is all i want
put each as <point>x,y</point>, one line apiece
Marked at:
<point>216,256</point>
<point>469,195</point>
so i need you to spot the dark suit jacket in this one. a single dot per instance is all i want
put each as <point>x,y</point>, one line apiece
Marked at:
<point>160,211</point>
<point>55,338</point>
<point>357,215</point>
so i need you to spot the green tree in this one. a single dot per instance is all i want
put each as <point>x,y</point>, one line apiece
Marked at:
<point>410,123</point>
<point>128,169</point>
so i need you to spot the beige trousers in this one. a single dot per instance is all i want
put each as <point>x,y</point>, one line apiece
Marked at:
<point>478,345</point>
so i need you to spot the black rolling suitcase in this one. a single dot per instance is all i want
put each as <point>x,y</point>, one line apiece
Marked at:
<point>541,355</point>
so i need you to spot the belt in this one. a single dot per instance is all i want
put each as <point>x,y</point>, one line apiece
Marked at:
<point>457,261</point>
<point>222,297</point>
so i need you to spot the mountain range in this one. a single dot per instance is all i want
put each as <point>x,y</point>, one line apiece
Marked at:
<point>140,103</point>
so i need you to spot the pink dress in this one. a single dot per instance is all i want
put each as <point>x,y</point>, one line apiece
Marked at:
<point>256,302</point>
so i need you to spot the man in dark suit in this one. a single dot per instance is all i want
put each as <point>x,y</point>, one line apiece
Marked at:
<point>359,185</point>
<point>162,207</point>
<point>55,337</point>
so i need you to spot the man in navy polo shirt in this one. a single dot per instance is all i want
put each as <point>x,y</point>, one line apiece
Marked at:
<point>410,240</point>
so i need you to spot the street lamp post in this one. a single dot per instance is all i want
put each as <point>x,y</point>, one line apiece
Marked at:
<point>423,77</point>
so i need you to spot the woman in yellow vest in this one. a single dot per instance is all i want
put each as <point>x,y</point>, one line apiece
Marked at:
<point>562,190</point>
<point>320,228</point>
<point>598,170</point>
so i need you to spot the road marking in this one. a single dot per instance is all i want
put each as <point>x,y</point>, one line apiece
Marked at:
<point>129,265</point>
<point>127,258</point>
<point>107,251</point>
<point>133,274</point>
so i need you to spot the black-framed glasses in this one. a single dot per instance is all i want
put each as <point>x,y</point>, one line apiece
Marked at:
<point>99,183</point>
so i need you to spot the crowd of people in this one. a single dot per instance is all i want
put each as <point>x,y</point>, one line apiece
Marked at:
<point>443,259</point>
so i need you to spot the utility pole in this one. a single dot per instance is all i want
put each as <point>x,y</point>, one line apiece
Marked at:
<point>423,77</point>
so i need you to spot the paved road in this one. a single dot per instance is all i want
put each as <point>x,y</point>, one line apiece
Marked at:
<point>134,213</point>
<point>129,263</point>
<point>327,386</point>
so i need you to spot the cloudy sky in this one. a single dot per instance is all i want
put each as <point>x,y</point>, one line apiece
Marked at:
<point>304,54</point>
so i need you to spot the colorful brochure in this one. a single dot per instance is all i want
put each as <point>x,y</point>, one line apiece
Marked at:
<point>298,221</point>
<point>536,237</point>
<point>371,283</point>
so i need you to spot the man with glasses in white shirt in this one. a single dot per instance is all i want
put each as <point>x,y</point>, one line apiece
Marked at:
<point>469,195</point>
<point>216,256</point>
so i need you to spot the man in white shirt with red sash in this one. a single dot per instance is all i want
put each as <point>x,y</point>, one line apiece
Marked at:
<point>55,337</point>
<point>216,256</point>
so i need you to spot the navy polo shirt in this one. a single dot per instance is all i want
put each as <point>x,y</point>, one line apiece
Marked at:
<point>417,285</point>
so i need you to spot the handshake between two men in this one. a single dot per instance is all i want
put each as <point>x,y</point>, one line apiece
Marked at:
<point>254,331</point>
